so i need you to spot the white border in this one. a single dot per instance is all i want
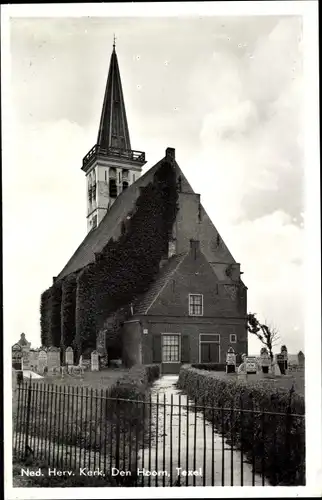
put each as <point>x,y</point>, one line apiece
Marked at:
<point>309,11</point>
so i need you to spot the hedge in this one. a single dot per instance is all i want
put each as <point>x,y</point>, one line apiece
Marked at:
<point>283,452</point>
<point>134,383</point>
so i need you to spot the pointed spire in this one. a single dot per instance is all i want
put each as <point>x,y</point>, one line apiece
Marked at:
<point>113,130</point>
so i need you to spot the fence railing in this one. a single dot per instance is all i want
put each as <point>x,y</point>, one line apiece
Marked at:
<point>154,442</point>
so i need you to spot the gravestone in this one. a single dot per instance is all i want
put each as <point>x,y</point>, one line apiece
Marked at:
<point>251,365</point>
<point>42,361</point>
<point>285,354</point>
<point>16,357</point>
<point>301,359</point>
<point>94,361</point>
<point>280,361</point>
<point>53,358</point>
<point>69,356</point>
<point>231,361</point>
<point>264,360</point>
<point>25,358</point>
<point>33,358</point>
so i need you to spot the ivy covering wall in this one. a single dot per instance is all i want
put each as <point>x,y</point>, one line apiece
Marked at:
<point>68,307</point>
<point>45,317</point>
<point>79,305</point>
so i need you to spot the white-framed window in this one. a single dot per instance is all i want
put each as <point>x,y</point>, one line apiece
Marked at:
<point>195,304</point>
<point>171,347</point>
<point>232,338</point>
<point>209,337</point>
<point>209,348</point>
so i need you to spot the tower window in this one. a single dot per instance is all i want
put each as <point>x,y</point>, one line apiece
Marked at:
<point>105,176</point>
<point>133,177</point>
<point>113,188</point>
<point>94,222</point>
<point>125,185</point>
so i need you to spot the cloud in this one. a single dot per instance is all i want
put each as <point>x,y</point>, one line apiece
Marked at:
<point>251,169</point>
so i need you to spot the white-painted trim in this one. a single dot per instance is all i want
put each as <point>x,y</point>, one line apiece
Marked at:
<point>167,281</point>
<point>169,334</point>
<point>210,342</point>
<point>195,315</point>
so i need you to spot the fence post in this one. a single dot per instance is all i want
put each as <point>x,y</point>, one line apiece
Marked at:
<point>28,418</point>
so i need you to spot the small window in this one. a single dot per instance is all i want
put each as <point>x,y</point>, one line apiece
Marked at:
<point>232,338</point>
<point>210,337</point>
<point>125,185</point>
<point>105,176</point>
<point>133,177</point>
<point>113,188</point>
<point>195,305</point>
<point>171,348</point>
<point>94,222</point>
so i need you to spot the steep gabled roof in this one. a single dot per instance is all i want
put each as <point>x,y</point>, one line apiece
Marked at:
<point>144,303</point>
<point>186,226</point>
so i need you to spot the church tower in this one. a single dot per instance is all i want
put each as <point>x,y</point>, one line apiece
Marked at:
<point>111,165</point>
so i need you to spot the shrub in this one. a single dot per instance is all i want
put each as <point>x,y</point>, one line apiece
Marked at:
<point>134,383</point>
<point>218,367</point>
<point>277,439</point>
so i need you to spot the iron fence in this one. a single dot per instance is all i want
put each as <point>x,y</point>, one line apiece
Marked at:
<point>158,441</point>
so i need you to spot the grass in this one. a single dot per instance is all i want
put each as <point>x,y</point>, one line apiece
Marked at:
<point>102,379</point>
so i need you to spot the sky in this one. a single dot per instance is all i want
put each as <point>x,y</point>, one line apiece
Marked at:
<point>225,92</point>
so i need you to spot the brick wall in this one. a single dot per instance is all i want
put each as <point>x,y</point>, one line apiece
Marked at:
<point>196,276</point>
<point>191,328</point>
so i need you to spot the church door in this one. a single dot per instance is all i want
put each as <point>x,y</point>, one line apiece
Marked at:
<point>209,349</point>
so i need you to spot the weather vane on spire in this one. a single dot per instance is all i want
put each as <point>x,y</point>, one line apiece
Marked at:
<point>114,38</point>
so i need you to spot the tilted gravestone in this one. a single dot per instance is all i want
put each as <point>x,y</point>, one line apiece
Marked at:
<point>42,361</point>
<point>53,358</point>
<point>69,356</point>
<point>94,361</point>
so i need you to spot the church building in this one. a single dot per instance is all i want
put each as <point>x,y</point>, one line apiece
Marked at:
<point>195,306</point>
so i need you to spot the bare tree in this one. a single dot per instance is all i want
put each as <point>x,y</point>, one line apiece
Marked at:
<point>267,334</point>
